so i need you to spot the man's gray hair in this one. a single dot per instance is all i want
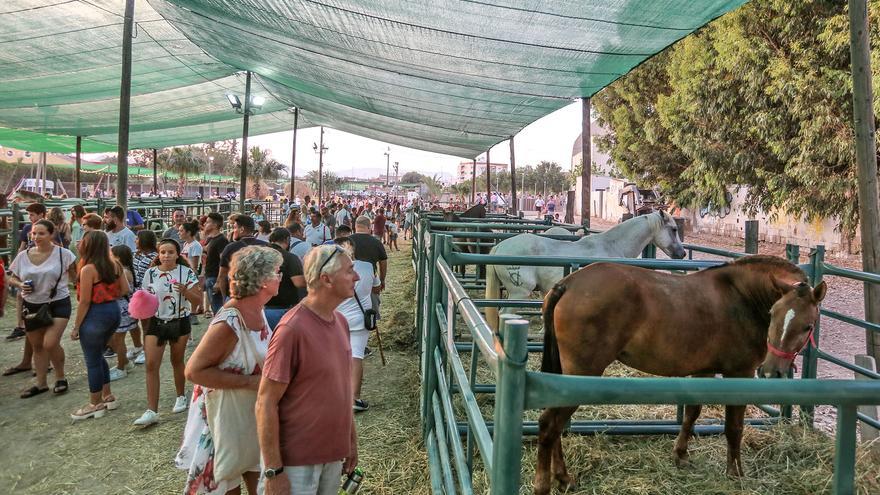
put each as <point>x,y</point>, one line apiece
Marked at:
<point>363,221</point>
<point>315,259</point>
<point>250,268</point>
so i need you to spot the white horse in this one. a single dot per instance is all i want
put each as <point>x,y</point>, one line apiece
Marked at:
<point>625,240</point>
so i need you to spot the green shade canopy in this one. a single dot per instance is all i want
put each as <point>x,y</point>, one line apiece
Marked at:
<point>446,76</point>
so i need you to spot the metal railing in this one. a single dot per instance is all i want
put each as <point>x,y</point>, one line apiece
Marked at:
<point>443,299</point>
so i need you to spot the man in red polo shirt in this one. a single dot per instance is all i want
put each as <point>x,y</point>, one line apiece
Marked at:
<point>305,421</point>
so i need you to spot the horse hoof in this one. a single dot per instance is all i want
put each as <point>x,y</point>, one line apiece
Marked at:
<point>734,471</point>
<point>567,485</point>
<point>682,460</point>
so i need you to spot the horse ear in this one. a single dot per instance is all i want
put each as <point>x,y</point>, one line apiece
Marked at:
<point>819,291</point>
<point>780,286</point>
<point>662,214</point>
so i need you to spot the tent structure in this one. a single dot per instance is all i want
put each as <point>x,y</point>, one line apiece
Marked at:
<point>452,77</point>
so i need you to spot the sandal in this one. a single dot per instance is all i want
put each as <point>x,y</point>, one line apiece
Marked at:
<point>60,386</point>
<point>110,402</point>
<point>27,394</point>
<point>14,370</point>
<point>90,411</point>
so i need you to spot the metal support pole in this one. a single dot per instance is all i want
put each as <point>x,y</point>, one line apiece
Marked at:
<point>474,183</point>
<point>751,234</point>
<point>866,161</point>
<point>293,156</point>
<point>155,174</point>
<point>586,162</point>
<point>242,188</point>
<point>845,451</point>
<point>811,359</point>
<point>320,166</point>
<point>509,403</point>
<point>124,108</point>
<point>513,205</point>
<point>76,177</point>
<point>488,179</point>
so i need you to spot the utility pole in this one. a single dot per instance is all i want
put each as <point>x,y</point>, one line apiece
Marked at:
<point>321,166</point>
<point>76,179</point>
<point>387,165</point>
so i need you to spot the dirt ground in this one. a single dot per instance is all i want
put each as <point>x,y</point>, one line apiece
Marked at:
<point>45,453</point>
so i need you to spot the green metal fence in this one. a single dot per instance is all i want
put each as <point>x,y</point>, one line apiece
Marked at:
<point>442,298</point>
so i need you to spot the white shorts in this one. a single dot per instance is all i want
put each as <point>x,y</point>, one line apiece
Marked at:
<point>358,342</point>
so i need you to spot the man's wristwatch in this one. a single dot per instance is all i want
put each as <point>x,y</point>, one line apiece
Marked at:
<point>271,473</point>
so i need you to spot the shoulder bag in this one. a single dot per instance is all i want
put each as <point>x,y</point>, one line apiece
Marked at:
<point>231,418</point>
<point>42,317</point>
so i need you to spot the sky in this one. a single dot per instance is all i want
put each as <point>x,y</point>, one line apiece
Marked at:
<point>549,138</point>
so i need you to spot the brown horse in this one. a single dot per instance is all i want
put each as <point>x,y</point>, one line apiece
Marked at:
<point>721,320</point>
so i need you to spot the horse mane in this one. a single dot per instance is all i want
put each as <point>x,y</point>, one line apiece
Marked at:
<point>766,261</point>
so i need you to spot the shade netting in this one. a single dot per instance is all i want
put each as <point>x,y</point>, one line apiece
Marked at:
<point>452,77</point>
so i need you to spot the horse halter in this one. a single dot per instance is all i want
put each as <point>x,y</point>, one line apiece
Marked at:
<point>791,355</point>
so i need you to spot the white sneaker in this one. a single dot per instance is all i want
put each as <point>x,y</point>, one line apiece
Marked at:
<point>180,405</point>
<point>140,359</point>
<point>117,374</point>
<point>134,352</point>
<point>149,417</point>
<point>129,366</point>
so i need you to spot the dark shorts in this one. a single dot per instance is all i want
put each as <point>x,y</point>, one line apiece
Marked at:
<point>164,333</point>
<point>58,309</point>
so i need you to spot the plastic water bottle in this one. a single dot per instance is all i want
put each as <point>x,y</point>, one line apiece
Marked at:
<point>353,483</point>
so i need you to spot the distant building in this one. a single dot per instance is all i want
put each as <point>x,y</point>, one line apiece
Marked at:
<point>466,169</point>
<point>601,161</point>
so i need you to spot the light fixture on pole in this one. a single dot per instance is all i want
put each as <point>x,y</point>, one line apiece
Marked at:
<point>320,149</point>
<point>251,104</point>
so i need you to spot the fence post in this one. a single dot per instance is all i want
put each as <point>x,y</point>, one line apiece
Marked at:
<point>751,236</point>
<point>420,281</point>
<point>810,361</point>
<point>869,433</point>
<point>509,403</point>
<point>432,338</point>
<point>793,255</point>
<point>16,230</point>
<point>845,451</point>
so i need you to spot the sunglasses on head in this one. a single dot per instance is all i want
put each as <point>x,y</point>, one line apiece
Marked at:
<point>324,264</point>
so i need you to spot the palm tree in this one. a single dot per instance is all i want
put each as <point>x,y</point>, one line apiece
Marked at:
<point>261,167</point>
<point>183,161</point>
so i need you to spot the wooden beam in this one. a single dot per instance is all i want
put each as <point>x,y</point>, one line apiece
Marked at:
<point>866,160</point>
<point>488,180</point>
<point>586,161</point>
<point>513,205</point>
<point>124,108</point>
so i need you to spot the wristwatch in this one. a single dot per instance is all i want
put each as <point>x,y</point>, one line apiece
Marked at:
<point>271,473</point>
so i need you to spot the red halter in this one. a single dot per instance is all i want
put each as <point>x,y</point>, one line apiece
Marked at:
<point>790,355</point>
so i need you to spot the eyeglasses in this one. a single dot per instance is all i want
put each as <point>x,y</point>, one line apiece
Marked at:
<point>324,264</point>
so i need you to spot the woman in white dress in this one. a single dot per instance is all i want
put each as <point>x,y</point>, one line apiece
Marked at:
<point>221,362</point>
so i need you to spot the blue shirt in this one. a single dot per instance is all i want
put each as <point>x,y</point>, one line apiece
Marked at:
<point>134,218</point>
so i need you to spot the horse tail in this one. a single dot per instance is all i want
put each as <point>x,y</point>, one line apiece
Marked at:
<point>550,362</point>
<point>493,291</point>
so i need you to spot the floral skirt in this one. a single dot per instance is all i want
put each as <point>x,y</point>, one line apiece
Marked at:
<point>196,454</point>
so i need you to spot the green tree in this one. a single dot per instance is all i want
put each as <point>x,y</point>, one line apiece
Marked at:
<point>331,182</point>
<point>261,166</point>
<point>411,178</point>
<point>183,161</point>
<point>760,98</point>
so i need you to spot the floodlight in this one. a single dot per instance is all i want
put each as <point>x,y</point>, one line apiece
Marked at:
<point>257,102</point>
<point>234,101</point>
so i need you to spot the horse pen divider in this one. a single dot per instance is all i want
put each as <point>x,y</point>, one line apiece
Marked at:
<point>442,297</point>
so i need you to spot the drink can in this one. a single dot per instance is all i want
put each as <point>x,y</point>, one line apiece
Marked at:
<point>353,483</point>
<point>29,283</point>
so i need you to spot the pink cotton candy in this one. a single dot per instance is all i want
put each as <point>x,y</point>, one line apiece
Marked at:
<point>143,305</point>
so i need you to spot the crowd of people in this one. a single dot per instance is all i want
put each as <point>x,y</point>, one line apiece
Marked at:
<point>291,307</point>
